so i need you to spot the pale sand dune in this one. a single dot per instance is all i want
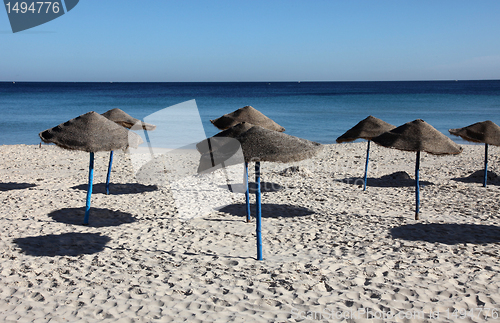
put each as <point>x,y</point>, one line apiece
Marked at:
<point>328,246</point>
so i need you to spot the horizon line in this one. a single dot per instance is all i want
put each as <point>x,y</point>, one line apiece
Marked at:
<point>300,81</point>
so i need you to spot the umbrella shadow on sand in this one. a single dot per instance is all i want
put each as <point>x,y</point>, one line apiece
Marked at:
<point>66,244</point>
<point>478,177</point>
<point>448,233</point>
<point>397,179</point>
<point>15,186</point>
<point>268,210</point>
<point>118,189</point>
<point>101,217</point>
<point>265,187</point>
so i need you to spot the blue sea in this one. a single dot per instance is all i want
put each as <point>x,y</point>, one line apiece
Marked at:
<point>318,111</point>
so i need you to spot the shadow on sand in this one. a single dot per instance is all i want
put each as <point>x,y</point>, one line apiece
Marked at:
<point>15,186</point>
<point>448,233</point>
<point>66,244</point>
<point>265,187</point>
<point>98,217</point>
<point>397,179</point>
<point>478,177</point>
<point>117,189</point>
<point>268,210</point>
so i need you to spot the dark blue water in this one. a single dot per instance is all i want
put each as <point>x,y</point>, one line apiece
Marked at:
<point>319,111</point>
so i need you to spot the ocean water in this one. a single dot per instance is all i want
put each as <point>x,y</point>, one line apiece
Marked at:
<point>318,111</point>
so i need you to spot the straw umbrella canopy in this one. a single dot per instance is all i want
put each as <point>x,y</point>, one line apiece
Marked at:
<point>124,119</point>
<point>260,144</point>
<point>246,114</point>
<point>368,129</point>
<point>216,141</point>
<point>90,132</point>
<point>486,132</point>
<point>418,136</point>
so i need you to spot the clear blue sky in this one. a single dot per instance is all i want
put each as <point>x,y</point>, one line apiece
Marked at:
<point>272,40</point>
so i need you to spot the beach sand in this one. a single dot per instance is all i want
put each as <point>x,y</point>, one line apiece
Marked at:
<point>331,251</point>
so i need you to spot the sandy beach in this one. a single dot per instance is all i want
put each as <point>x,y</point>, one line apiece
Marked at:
<point>332,252</point>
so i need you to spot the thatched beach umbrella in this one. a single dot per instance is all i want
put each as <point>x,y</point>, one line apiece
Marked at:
<point>122,118</point>
<point>90,132</point>
<point>368,128</point>
<point>207,146</point>
<point>125,120</point>
<point>250,116</point>
<point>246,114</point>
<point>259,145</point>
<point>486,132</point>
<point>418,136</point>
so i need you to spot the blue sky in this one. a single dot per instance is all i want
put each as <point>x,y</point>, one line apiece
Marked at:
<point>285,40</point>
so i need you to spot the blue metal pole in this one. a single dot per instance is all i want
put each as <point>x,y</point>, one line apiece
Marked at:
<point>417,186</point>
<point>247,192</point>
<point>366,165</point>
<point>89,190</point>
<point>258,216</point>
<point>485,164</point>
<point>148,141</point>
<point>109,172</point>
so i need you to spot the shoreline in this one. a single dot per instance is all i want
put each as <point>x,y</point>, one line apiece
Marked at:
<point>458,141</point>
